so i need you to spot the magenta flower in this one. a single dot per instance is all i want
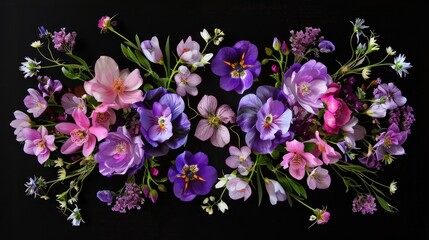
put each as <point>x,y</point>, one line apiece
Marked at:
<point>151,50</point>
<point>238,188</point>
<point>319,178</point>
<point>64,41</point>
<point>113,86</point>
<point>275,191</point>
<point>70,102</point>
<point>35,102</point>
<point>297,160</point>
<point>82,135</point>
<point>337,113</point>
<point>322,216</point>
<point>39,143</point>
<point>21,122</point>
<point>211,126</point>
<point>240,159</point>
<point>186,82</point>
<point>189,51</point>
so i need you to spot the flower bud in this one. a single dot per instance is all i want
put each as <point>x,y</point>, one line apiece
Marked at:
<point>276,44</point>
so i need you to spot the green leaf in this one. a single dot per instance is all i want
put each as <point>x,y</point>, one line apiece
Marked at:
<point>138,43</point>
<point>299,189</point>
<point>167,55</point>
<point>80,60</point>
<point>125,51</point>
<point>142,59</point>
<point>385,205</point>
<point>361,94</point>
<point>69,74</point>
<point>309,146</point>
<point>260,190</point>
<point>147,87</point>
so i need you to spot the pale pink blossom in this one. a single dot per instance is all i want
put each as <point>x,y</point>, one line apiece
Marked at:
<point>297,160</point>
<point>329,155</point>
<point>240,159</point>
<point>82,135</point>
<point>319,178</point>
<point>275,191</point>
<point>238,188</point>
<point>189,51</point>
<point>21,122</point>
<point>103,115</point>
<point>35,102</point>
<point>70,102</point>
<point>112,86</point>
<point>39,143</point>
<point>186,82</point>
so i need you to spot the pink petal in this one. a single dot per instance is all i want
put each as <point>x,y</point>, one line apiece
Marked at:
<point>193,80</point>
<point>297,173</point>
<point>69,147</point>
<point>43,157</point>
<point>286,158</point>
<point>203,131</point>
<point>66,128</point>
<point>80,118</point>
<point>106,70</point>
<point>207,105</point>
<point>126,98</point>
<point>234,151</point>
<point>89,146</point>
<point>31,134</point>
<point>99,131</point>
<point>295,146</point>
<point>133,81</point>
<point>220,136</point>
<point>226,114</point>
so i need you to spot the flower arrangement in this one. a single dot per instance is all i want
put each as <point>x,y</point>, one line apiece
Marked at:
<point>304,125</point>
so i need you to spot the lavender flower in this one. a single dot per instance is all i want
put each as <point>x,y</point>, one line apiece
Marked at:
<point>403,117</point>
<point>105,196</point>
<point>21,122</point>
<point>275,191</point>
<point>39,143</point>
<point>191,175</point>
<point>48,86</point>
<point>300,41</point>
<point>364,203</point>
<point>186,82</point>
<point>237,66</point>
<point>64,41</point>
<point>70,102</point>
<point>390,96</point>
<point>35,103</point>
<point>130,199</point>
<point>152,51</point>
<point>390,142</point>
<point>120,153</point>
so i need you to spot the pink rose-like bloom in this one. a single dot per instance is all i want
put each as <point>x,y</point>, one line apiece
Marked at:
<point>189,51</point>
<point>21,122</point>
<point>337,113</point>
<point>151,50</point>
<point>329,155</point>
<point>112,86</point>
<point>103,116</point>
<point>82,135</point>
<point>70,102</point>
<point>319,178</point>
<point>39,143</point>
<point>35,102</point>
<point>186,82</point>
<point>275,191</point>
<point>297,160</point>
<point>238,188</point>
<point>211,126</point>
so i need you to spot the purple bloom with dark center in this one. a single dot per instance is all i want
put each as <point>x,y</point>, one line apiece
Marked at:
<point>191,175</point>
<point>120,153</point>
<point>390,142</point>
<point>265,118</point>
<point>48,86</point>
<point>237,66</point>
<point>164,125</point>
<point>390,94</point>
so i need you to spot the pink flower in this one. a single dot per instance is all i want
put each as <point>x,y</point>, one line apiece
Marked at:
<point>39,143</point>
<point>186,82</point>
<point>296,160</point>
<point>337,112</point>
<point>211,126</point>
<point>113,86</point>
<point>35,102</point>
<point>103,115</point>
<point>189,51</point>
<point>240,159</point>
<point>21,122</point>
<point>238,188</point>
<point>70,102</point>
<point>329,155</point>
<point>319,178</point>
<point>82,135</point>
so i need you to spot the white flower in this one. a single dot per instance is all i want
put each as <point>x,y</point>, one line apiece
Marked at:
<point>373,45</point>
<point>75,217</point>
<point>358,27</point>
<point>222,206</point>
<point>393,187</point>
<point>36,44</point>
<point>390,51</point>
<point>205,35</point>
<point>366,72</point>
<point>30,67</point>
<point>400,66</point>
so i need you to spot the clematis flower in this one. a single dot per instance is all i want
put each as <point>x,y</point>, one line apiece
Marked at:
<point>186,82</point>
<point>237,66</point>
<point>82,135</point>
<point>211,126</point>
<point>21,122</point>
<point>113,86</point>
<point>152,51</point>
<point>39,143</point>
<point>191,175</point>
<point>297,160</point>
<point>120,153</point>
<point>35,103</point>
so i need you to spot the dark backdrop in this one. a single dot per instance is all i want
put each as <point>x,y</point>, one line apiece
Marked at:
<point>400,26</point>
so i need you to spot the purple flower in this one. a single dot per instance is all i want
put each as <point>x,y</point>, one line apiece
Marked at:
<point>48,86</point>
<point>318,178</point>
<point>164,125</point>
<point>275,191</point>
<point>265,119</point>
<point>237,66</point>
<point>105,196</point>
<point>390,95</point>
<point>240,159</point>
<point>152,51</point>
<point>70,102</point>
<point>189,51</point>
<point>192,175</point>
<point>238,188</point>
<point>211,126</point>
<point>364,203</point>
<point>131,198</point>
<point>120,153</point>
<point>326,46</point>
<point>186,82</point>
<point>403,117</point>
<point>39,143</point>
<point>35,102</point>
<point>43,32</point>
<point>390,142</point>
<point>64,41</point>
<point>21,122</point>
<point>300,41</point>
<point>307,85</point>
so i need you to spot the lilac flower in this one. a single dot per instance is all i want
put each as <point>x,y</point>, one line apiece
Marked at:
<point>105,196</point>
<point>21,122</point>
<point>189,51</point>
<point>39,143</point>
<point>131,198</point>
<point>120,153</point>
<point>191,175</point>
<point>403,117</point>
<point>240,159</point>
<point>43,32</point>
<point>390,142</point>
<point>152,51</point>
<point>48,86</point>
<point>265,119</point>
<point>238,188</point>
<point>164,125</point>
<point>237,66</point>
<point>376,110</point>
<point>300,41</point>
<point>186,82</point>
<point>307,85</point>
<point>390,95</point>
<point>211,126</point>
<point>82,135</point>
<point>370,161</point>
<point>364,203</point>
<point>70,102</point>
<point>35,103</point>
<point>275,191</point>
<point>319,178</point>
<point>353,132</point>
<point>64,41</point>
<point>326,46</point>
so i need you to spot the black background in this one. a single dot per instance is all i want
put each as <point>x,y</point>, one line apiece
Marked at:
<point>400,26</point>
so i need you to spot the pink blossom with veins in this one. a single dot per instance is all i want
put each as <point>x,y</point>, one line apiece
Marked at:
<point>186,82</point>
<point>70,102</point>
<point>39,143</point>
<point>238,188</point>
<point>329,155</point>
<point>21,122</point>
<point>103,115</point>
<point>82,135</point>
<point>211,126</point>
<point>35,102</point>
<point>112,86</point>
<point>297,160</point>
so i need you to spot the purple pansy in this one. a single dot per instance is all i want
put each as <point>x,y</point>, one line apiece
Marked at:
<point>237,66</point>
<point>164,125</point>
<point>391,96</point>
<point>192,175</point>
<point>265,119</point>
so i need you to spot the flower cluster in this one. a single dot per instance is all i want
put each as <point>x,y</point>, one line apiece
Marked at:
<point>303,127</point>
